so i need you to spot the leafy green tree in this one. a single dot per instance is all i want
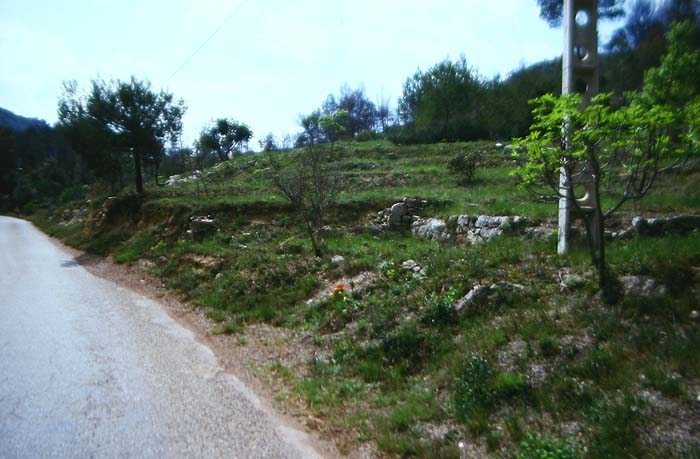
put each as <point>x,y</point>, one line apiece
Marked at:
<point>334,125</point>
<point>225,137</point>
<point>361,112</point>
<point>8,165</point>
<point>620,152</point>
<point>313,132</point>
<point>119,119</point>
<point>444,103</point>
<point>269,143</point>
<point>675,82</point>
<point>552,10</point>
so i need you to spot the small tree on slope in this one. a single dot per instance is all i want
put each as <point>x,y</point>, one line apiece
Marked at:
<point>622,149</point>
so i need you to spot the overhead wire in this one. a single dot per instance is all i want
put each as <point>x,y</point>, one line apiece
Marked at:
<point>196,51</point>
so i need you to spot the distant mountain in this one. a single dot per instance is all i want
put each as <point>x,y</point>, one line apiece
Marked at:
<point>19,123</point>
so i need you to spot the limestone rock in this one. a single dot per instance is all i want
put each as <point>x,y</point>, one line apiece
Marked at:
<point>482,293</point>
<point>477,293</point>
<point>432,229</point>
<point>639,286</point>
<point>413,267</point>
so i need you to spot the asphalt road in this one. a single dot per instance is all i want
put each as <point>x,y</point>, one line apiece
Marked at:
<point>90,369</point>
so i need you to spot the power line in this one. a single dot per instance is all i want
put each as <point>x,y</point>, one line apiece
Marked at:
<point>187,61</point>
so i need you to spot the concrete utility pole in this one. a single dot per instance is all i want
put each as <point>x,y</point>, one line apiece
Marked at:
<point>579,75</point>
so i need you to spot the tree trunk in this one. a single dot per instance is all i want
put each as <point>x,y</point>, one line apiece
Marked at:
<point>314,239</point>
<point>137,171</point>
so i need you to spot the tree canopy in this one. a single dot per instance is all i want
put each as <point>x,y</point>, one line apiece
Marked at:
<point>225,137</point>
<point>552,10</point>
<point>444,102</point>
<point>118,119</point>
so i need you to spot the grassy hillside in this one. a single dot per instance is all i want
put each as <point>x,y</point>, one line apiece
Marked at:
<point>538,364</point>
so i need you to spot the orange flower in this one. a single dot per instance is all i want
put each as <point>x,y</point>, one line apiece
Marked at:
<point>339,288</point>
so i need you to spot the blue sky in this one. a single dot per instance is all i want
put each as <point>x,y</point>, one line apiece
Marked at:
<point>270,62</point>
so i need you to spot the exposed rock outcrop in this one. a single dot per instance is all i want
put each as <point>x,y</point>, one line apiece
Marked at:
<point>465,228</point>
<point>399,216</point>
<point>679,224</point>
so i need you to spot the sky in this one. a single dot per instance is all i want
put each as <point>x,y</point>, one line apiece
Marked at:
<point>269,62</point>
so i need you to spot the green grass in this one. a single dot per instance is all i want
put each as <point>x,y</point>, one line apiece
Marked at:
<point>395,360</point>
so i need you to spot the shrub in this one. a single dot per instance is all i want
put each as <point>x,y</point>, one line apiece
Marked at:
<point>440,309</point>
<point>464,165</point>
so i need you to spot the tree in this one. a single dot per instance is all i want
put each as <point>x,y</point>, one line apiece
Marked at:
<point>361,112</point>
<point>622,150</point>
<point>552,10</point>
<point>123,119</point>
<point>313,132</point>
<point>617,152</point>
<point>444,103</point>
<point>269,143</point>
<point>307,183</point>
<point>333,126</point>
<point>225,137</point>
<point>383,114</point>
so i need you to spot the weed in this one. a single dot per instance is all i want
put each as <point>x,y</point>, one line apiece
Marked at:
<point>493,440</point>
<point>440,309</point>
<point>509,385</point>
<point>549,346</point>
<point>616,424</point>
<point>407,346</point>
<point>216,315</point>
<point>660,379</point>
<point>230,328</point>
<point>536,446</point>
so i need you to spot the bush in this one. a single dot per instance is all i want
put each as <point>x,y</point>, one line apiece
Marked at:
<point>407,345</point>
<point>464,165</point>
<point>440,309</point>
<point>544,447</point>
<point>473,392</point>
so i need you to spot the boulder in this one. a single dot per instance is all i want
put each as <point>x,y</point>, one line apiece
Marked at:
<point>172,180</point>
<point>505,286</point>
<point>410,265</point>
<point>202,227</point>
<point>337,260</point>
<point>396,214</point>
<point>476,294</point>
<point>482,293</point>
